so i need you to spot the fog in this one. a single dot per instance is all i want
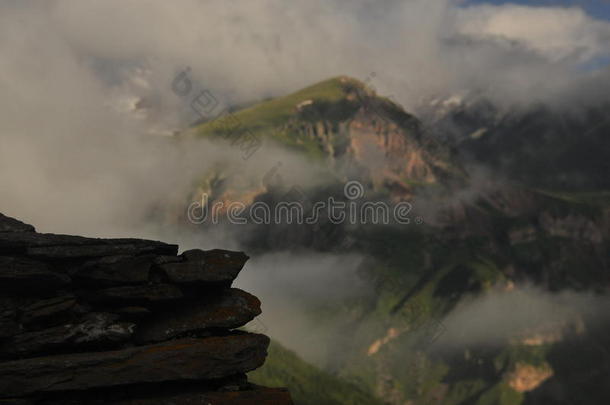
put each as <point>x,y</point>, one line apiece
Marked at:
<point>74,153</point>
<point>498,317</point>
<point>296,290</point>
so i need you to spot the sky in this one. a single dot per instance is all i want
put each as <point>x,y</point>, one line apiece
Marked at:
<point>596,8</point>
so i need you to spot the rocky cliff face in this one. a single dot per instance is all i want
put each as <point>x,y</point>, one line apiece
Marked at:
<point>384,150</point>
<point>123,321</point>
<point>536,145</point>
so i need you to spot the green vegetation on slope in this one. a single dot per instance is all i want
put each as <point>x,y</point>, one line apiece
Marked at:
<point>500,394</point>
<point>269,118</point>
<point>583,197</point>
<point>307,384</point>
<point>284,119</point>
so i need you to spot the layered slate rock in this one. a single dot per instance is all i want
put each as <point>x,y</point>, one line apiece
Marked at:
<point>186,359</point>
<point>80,317</point>
<point>94,331</point>
<point>18,274</point>
<point>8,224</point>
<point>50,246</point>
<point>229,310</point>
<point>200,267</point>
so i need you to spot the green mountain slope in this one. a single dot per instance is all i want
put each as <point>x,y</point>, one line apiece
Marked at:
<point>308,385</point>
<point>268,119</point>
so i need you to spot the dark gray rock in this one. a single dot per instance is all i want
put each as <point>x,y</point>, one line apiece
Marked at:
<point>186,359</point>
<point>9,316</point>
<point>134,313</point>
<point>98,329</point>
<point>29,276</point>
<point>212,266</point>
<point>109,247</point>
<point>49,312</point>
<point>75,312</point>
<point>232,309</point>
<point>51,246</point>
<point>167,259</point>
<point>15,401</point>
<point>114,270</point>
<point>137,295</point>
<point>8,224</point>
<point>8,324</point>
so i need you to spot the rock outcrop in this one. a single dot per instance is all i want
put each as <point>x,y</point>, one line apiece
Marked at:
<point>124,321</point>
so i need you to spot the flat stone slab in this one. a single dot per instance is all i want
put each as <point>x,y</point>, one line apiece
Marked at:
<point>137,294</point>
<point>185,359</point>
<point>114,270</point>
<point>48,312</point>
<point>8,325</point>
<point>52,246</point>
<point>97,330</point>
<point>232,309</point>
<point>211,266</point>
<point>19,274</point>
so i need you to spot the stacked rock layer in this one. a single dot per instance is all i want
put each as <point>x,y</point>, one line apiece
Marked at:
<point>123,321</point>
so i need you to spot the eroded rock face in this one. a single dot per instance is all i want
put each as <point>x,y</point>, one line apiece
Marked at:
<point>8,224</point>
<point>81,316</point>
<point>19,274</point>
<point>187,359</point>
<point>213,266</point>
<point>229,310</point>
<point>525,377</point>
<point>96,330</point>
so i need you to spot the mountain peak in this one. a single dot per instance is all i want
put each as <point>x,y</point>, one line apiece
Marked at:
<point>333,100</point>
<point>343,124</point>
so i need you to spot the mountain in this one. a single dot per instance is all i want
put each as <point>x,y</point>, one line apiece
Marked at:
<point>497,295</point>
<point>345,126</point>
<point>561,147</point>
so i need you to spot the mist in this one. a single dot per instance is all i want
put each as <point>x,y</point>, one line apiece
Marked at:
<point>76,156</point>
<point>499,317</point>
<point>293,288</point>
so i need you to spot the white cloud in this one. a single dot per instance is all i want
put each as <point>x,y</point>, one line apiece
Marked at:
<point>500,316</point>
<point>555,32</point>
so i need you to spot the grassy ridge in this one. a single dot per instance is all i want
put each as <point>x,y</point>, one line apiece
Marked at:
<point>269,118</point>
